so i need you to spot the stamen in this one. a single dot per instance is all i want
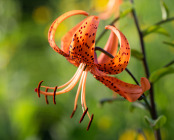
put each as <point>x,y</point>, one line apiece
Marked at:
<point>80,66</point>
<point>84,113</point>
<point>92,116</point>
<point>78,91</point>
<point>54,97</point>
<point>46,90</point>
<point>69,87</point>
<point>38,88</point>
<point>83,100</point>
<point>77,95</point>
<point>73,112</point>
<point>82,97</point>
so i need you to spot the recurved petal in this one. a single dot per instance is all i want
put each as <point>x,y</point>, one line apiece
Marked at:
<point>67,38</point>
<point>111,47</point>
<point>83,42</point>
<point>52,30</point>
<point>120,61</point>
<point>128,91</point>
<point>145,84</point>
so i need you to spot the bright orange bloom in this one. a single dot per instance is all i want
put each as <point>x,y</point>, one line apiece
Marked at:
<point>78,47</point>
<point>112,8</point>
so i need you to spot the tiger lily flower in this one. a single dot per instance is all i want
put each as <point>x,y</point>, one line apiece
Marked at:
<point>78,47</point>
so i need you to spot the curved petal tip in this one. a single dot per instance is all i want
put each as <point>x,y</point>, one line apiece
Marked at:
<point>145,84</point>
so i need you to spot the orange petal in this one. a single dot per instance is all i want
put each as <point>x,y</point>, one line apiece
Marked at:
<point>128,91</point>
<point>67,38</point>
<point>83,43</point>
<point>145,84</point>
<point>111,47</point>
<point>120,61</point>
<point>54,26</point>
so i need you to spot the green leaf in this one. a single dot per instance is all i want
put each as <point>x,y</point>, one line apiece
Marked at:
<point>159,122</point>
<point>169,43</point>
<point>149,121</point>
<point>125,8</point>
<point>136,54</point>
<point>155,124</point>
<point>124,13</point>
<point>164,10</point>
<point>156,75</point>
<point>155,29</point>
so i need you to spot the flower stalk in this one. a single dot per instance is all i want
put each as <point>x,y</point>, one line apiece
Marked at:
<point>153,107</point>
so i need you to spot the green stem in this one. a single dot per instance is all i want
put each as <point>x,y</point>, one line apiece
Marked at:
<point>169,64</point>
<point>153,107</point>
<point>164,21</point>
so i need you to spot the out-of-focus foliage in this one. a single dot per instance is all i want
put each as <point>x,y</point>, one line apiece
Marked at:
<point>26,58</point>
<point>156,124</point>
<point>164,10</point>
<point>156,75</point>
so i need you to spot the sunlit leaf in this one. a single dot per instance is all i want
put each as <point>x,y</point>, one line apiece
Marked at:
<point>124,13</point>
<point>164,10</point>
<point>156,75</point>
<point>169,43</point>
<point>125,8</point>
<point>155,29</point>
<point>136,54</point>
<point>149,121</point>
<point>159,122</point>
<point>155,124</point>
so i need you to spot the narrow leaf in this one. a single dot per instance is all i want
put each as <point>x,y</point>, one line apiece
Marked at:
<point>156,75</point>
<point>159,122</point>
<point>169,43</point>
<point>164,10</point>
<point>149,121</point>
<point>125,8</point>
<point>124,13</point>
<point>155,124</point>
<point>136,54</point>
<point>155,29</point>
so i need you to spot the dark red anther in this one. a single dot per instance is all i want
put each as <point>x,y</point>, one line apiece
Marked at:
<point>54,96</point>
<point>92,116</point>
<point>73,112</point>
<point>84,113</point>
<point>35,89</point>
<point>38,88</point>
<point>46,90</point>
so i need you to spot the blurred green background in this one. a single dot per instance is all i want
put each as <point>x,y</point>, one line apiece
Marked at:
<point>26,59</point>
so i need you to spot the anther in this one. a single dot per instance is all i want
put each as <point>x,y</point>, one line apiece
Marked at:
<point>46,90</point>
<point>84,113</point>
<point>73,112</point>
<point>54,101</point>
<point>38,88</point>
<point>92,116</point>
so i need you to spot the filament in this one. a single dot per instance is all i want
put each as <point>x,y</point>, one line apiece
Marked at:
<point>70,86</point>
<point>83,100</point>
<point>79,68</point>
